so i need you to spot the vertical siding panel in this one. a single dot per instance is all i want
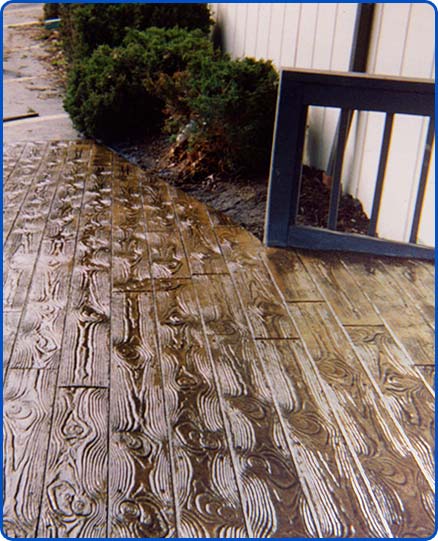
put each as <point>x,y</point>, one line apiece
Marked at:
<point>290,34</point>
<point>315,138</point>
<point>306,37</point>
<point>351,148</point>
<point>419,124</point>
<point>418,53</point>
<point>389,55</point>
<point>417,59</point>
<point>244,25</point>
<point>316,114</point>
<point>364,149</point>
<point>400,177</point>
<point>276,30</point>
<point>305,46</point>
<point>247,30</point>
<point>263,30</point>
<point>322,57</point>
<point>375,38</point>
<point>269,36</point>
<point>403,53</point>
<point>342,40</point>
<point>251,29</point>
<point>239,30</point>
<point>370,159</point>
<point>360,123</point>
<point>343,37</point>
<point>227,27</point>
<point>388,61</point>
<point>232,14</point>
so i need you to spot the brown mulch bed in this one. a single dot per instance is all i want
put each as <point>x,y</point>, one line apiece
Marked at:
<point>315,200</point>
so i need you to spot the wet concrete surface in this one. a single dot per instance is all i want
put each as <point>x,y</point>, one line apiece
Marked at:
<point>143,329</point>
<point>28,84</point>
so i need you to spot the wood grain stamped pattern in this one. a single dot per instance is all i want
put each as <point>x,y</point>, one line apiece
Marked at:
<point>27,410</point>
<point>400,316</point>
<point>205,486</point>
<point>291,276</point>
<point>17,184</point>
<point>220,311</point>
<point>140,488</point>
<point>267,315</point>
<point>62,225</point>
<point>191,400</point>
<point>158,208</point>
<point>416,284</point>
<point>407,397</point>
<point>200,242</point>
<point>22,245</point>
<point>168,259</point>
<point>86,349</point>
<point>10,326</point>
<point>404,492</point>
<point>261,302</point>
<point>17,275</point>
<point>11,156</point>
<point>427,373</point>
<point>340,502</point>
<point>340,289</point>
<point>75,489</point>
<point>29,225</point>
<point>42,326</point>
<point>130,263</point>
<point>275,503</point>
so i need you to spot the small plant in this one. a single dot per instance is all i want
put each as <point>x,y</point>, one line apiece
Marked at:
<point>86,26</point>
<point>115,92</point>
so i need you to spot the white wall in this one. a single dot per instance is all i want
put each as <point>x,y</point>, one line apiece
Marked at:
<point>319,36</point>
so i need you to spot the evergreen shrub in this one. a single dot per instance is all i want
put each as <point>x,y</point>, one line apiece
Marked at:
<point>86,26</point>
<point>51,10</point>
<point>228,109</point>
<point>115,92</point>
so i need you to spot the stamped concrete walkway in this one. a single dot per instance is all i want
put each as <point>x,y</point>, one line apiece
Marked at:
<point>167,375</point>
